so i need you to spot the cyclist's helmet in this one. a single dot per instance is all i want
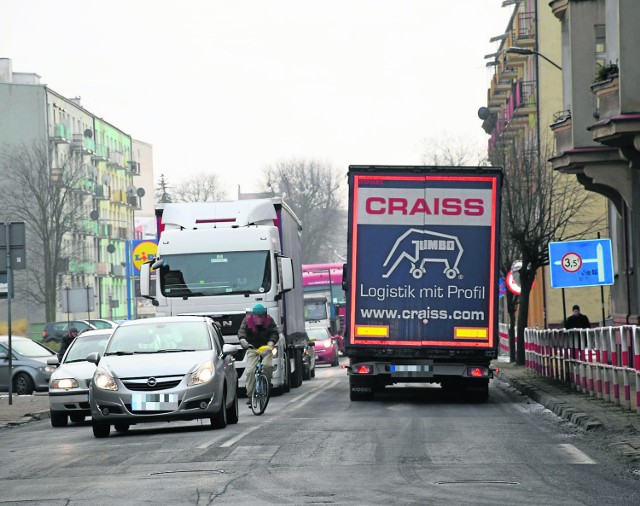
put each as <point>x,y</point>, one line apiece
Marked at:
<point>259,309</point>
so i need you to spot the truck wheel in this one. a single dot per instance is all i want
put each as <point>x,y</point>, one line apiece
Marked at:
<point>360,390</point>
<point>296,375</point>
<point>478,391</point>
<point>285,386</point>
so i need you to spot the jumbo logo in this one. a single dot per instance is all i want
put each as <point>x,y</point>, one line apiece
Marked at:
<point>143,252</point>
<point>418,247</point>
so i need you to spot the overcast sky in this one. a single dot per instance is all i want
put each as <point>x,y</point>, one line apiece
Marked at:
<point>231,86</point>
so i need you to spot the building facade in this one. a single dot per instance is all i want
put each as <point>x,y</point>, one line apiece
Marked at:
<point>598,136</point>
<point>95,246</point>
<point>523,100</point>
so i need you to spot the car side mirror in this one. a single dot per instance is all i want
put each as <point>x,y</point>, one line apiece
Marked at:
<point>3,355</point>
<point>53,361</point>
<point>230,349</point>
<point>94,357</point>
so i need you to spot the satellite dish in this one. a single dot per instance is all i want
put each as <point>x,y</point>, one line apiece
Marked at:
<point>483,113</point>
<point>111,248</point>
<point>131,191</point>
<point>94,215</point>
<point>106,179</point>
<point>140,192</point>
<point>88,133</point>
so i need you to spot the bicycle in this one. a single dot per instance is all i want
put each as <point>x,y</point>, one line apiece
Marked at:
<point>260,396</point>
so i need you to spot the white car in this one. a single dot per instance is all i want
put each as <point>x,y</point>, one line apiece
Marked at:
<point>69,384</point>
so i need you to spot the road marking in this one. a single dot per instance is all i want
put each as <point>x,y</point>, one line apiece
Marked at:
<point>238,437</point>
<point>577,456</point>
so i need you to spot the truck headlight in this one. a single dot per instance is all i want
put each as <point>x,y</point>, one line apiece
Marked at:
<point>202,374</point>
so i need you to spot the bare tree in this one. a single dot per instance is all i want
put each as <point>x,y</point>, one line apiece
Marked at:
<point>314,191</point>
<point>42,183</point>
<point>539,206</point>
<point>449,150</point>
<point>199,188</point>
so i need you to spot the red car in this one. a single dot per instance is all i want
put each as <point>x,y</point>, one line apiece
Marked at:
<point>326,345</point>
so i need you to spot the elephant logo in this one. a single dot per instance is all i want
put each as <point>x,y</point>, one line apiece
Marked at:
<point>421,247</point>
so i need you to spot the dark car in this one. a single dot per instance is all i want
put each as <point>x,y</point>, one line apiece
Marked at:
<point>53,331</point>
<point>29,368</point>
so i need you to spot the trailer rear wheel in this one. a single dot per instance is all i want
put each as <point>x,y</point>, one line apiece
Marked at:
<point>296,375</point>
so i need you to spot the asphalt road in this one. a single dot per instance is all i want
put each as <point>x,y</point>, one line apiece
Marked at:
<point>412,445</point>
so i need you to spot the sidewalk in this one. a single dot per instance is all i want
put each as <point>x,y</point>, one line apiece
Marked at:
<point>23,409</point>
<point>581,409</point>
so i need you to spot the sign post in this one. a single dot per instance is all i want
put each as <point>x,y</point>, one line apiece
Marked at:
<point>12,240</point>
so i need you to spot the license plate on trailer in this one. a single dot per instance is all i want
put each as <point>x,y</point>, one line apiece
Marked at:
<point>154,402</point>
<point>411,370</point>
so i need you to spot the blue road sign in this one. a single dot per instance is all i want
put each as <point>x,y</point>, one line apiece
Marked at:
<point>581,263</point>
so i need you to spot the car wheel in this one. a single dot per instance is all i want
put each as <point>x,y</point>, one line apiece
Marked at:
<point>58,419</point>
<point>233,413</point>
<point>306,372</point>
<point>77,418</point>
<point>313,371</point>
<point>23,384</point>
<point>100,429</point>
<point>219,420</point>
<point>121,427</point>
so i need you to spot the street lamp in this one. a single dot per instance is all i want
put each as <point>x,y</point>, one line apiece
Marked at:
<point>525,51</point>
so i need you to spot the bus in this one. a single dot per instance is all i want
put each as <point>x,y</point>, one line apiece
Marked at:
<point>324,280</point>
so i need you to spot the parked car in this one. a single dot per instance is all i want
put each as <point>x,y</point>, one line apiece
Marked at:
<point>53,331</point>
<point>69,384</point>
<point>101,323</point>
<point>326,345</point>
<point>29,368</point>
<point>164,369</point>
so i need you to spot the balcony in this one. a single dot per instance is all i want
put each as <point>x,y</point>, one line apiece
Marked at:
<point>100,153</point>
<point>524,30</point>
<point>115,159</point>
<point>85,186</point>
<point>119,197</point>
<point>60,134</point>
<point>118,270</point>
<point>134,167</point>
<point>82,144</point>
<point>102,192</point>
<point>134,201</point>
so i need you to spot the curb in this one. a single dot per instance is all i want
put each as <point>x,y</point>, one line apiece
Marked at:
<point>561,408</point>
<point>29,417</point>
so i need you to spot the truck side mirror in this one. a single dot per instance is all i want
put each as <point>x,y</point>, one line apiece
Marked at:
<point>286,274</point>
<point>344,277</point>
<point>145,280</point>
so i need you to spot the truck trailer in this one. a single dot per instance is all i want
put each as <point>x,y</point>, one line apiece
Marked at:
<point>421,277</point>
<point>220,259</point>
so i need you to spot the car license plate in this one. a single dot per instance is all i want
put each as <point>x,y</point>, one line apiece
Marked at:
<point>154,402</point>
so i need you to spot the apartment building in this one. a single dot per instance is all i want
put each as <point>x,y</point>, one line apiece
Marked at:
<point>523,100</point>
<point>95,247</point>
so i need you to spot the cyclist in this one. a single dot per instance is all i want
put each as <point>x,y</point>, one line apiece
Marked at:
<point>256,330</point>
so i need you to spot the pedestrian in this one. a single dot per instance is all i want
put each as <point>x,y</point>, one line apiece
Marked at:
<point>578,320</point>
<point>256,330</point>
<point>66,340</point>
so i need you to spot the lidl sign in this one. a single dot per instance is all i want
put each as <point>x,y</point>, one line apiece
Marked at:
<point>141,252</point>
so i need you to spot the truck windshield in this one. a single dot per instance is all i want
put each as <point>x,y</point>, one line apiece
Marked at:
<point>206,274</point>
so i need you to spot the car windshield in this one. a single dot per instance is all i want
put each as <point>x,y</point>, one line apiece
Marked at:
<point>101,324</point>
<point>157,337</point>
<point>82,346</point>
<point>206,274</point>
<point>29,348</point>
<point>319,334</point>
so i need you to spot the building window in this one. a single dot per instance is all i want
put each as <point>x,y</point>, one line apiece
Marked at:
<point>601,46</point>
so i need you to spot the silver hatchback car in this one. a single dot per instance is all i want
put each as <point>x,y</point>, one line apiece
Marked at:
<point>164,369</point>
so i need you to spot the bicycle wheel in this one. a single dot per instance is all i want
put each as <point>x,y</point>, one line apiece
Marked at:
<point>260,397</point>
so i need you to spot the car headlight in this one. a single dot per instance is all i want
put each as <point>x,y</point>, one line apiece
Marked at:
<point>47,369</point>
<point>203,374</point>
<point>64,383</point>
<point>103,380</point>
<point>274,351</point>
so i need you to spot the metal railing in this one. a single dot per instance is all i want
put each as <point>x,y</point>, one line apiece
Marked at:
<point>603,362</point>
